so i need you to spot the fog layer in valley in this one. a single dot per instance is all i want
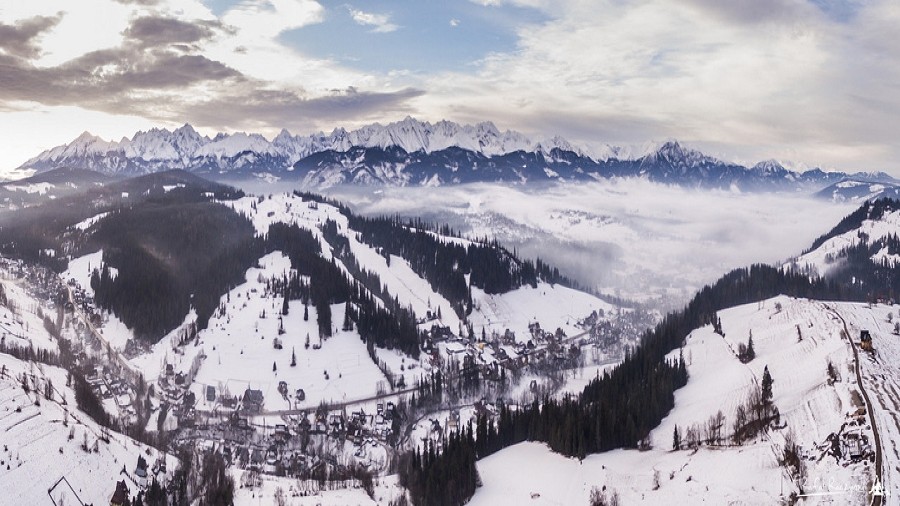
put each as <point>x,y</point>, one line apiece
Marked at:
<point>634,239</point>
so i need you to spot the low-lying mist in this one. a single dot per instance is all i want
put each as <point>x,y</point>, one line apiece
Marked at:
<point>631,238</point>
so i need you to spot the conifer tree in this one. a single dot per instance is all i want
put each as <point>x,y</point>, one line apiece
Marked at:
<point>767,386</point>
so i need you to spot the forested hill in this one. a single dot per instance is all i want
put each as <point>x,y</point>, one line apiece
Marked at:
<point>173,242</point>
<point>861,253</point>
<point>450,264</point>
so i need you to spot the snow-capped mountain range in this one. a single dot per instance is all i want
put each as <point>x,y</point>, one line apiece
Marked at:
<point>413,152</point>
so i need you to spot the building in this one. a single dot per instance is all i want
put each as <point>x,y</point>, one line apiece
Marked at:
<point>253,400</point>
<point>120,496</point>
<point>865,340</point>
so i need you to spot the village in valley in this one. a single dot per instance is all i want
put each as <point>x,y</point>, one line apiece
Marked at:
<point>263,388</point>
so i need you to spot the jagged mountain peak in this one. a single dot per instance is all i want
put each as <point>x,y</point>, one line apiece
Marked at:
<point>413,152</point>
<point>85,137</point>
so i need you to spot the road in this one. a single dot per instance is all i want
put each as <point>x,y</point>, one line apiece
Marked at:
<point>876,499</point>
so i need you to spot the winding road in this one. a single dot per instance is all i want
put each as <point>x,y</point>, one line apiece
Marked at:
<point>876,499</point>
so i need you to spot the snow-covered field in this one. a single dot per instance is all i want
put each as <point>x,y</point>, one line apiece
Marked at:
<point>300,494</point>
<point>41,443</point>
<point>811,408</point>
<point>20,323</point>
<point>553,306</point>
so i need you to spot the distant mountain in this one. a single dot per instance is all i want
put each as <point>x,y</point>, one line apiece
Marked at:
<point>860,190</point>
<point>52,184</point>
<point>412,152</point>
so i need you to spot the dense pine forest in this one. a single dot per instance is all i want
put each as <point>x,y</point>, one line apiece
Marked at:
<point>161,274</point>
<point>442,478</point>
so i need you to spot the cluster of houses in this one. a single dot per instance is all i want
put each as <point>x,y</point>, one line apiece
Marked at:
<point>492,352</point>
<point>107,383</point>
<point>285,449</point>
<point>139,479</point>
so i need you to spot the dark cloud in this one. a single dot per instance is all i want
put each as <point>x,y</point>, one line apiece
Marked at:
<point>101,78</point>
<point>154,74</point>
<point>20,39</point>
<point>159,31</point>
<point>158,73</point>
<point>249,107</point>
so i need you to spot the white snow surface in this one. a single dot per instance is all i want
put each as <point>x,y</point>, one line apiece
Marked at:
<point>90,222</point>
<point>240,349</point>
<point>20,324</point>
<point>39,188</point>
<point>35,444</point>
<point>81,268</point>
<point>553,306</point>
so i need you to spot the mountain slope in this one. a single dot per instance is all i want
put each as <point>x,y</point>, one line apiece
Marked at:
<point>818,412</point>
<point>861,252</point>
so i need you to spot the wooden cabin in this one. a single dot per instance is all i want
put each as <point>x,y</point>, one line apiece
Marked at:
<point>865,340</point>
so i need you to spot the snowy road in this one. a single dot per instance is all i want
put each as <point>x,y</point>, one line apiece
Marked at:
<point>880,373</point>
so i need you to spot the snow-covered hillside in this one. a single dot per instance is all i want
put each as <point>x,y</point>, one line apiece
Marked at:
<point>49,446</point>
<point>873,225</point>
<point>796,339</point>
<point>859,190</point>
<point>238,346</point>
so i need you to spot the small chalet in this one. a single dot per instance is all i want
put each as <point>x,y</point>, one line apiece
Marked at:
<point>865,340</point>
<point>120,496</point>
<point>253,400</point>
<point>140,472</point>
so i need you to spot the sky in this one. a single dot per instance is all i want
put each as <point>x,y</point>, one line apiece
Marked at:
<point>814,82</point>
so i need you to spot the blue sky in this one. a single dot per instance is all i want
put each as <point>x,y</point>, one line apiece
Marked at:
<point>807,81</point>
<point>421,36</point>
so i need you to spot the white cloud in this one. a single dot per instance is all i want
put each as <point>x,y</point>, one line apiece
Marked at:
<point>381,23</point>
<point>759,83</point>
<point>777,78</point>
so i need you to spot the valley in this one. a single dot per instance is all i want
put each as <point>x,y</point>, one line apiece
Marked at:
<point>316,356</point>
